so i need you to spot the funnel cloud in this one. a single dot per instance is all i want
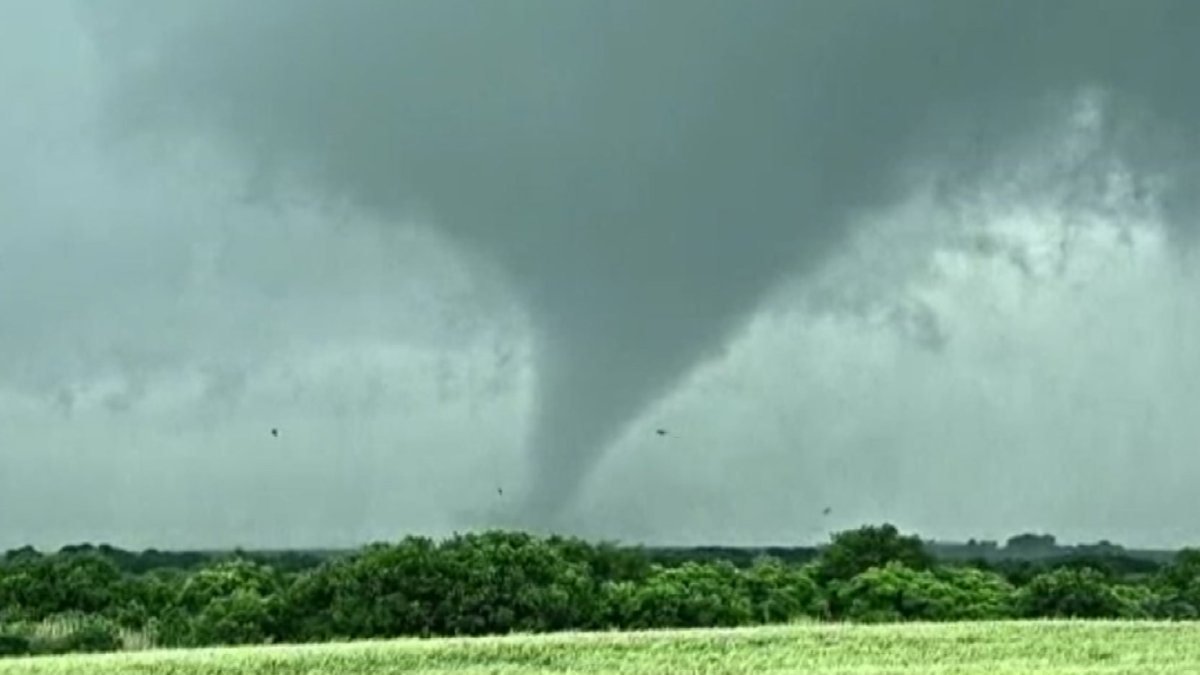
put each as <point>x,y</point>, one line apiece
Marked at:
<point>642,174</point>
<point>929,262</point>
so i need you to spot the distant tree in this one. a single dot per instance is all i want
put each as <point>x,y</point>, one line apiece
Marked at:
<point>606,561</point>
<point>1030,543</point>
<point>88,635</point>
<point>23,554</point>
<point>853,552</point>
<point>505,581</point>
<point>1177,586</point>
<point>779,592</point>
<point>229,602</point>
<point>35,587</point>
<point>1074,593</point>
<point>306,606</point>
<point>1183,574</point>
<point>498,582</point>
<point>224,579</point>
<point>690,595</point>
<point>14,644</point>
<point>150,596</point>
<point>243,617</point>
<point>895,592</point>
<point>891,592</point>
<point>381,590</point>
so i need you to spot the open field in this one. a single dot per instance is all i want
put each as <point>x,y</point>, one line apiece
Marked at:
<point>995,648</point>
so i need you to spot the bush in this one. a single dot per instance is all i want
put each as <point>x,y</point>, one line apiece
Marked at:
<point>895,592</point>
<point>855,551</point>
<point>1177,588</point>
<point>149,596</point>
<point>62,634</point>
<point>382,590</point>
<point>976,594</point>
<point>229,602</point>
<point>1080,593</point>
<point>241,618</point>
<point>688,596</point>
<point>12,644</point>
<point>499,582</point>
<point>489,583</point>
<point>1138,601</point>
<point>1171,608</point>
<point>780,593</point>
<point>91,635</point>
<point>222,580</point>
<point>605,561</point>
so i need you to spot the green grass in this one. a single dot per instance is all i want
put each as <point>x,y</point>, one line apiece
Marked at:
<point>998,648</point>
<point>60,627</point>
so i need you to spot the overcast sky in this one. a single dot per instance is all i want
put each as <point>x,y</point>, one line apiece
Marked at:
<point>927,263</point>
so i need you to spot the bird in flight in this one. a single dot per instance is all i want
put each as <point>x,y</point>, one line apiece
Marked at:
<point>662,432</point>
<point>827,511</point>
<point>275,433</point>
<point>500,491</point>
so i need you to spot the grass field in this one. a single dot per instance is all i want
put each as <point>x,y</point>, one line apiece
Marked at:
<point>993,648</point>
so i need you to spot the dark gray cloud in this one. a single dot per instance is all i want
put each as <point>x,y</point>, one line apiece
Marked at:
<point>643,172</point>
<point>155,324</point>
<point>896,258</point>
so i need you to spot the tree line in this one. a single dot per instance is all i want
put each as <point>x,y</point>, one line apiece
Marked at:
<point>94,599</point>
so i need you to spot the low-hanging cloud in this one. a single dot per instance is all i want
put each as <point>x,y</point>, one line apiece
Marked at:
<point>643,173</point>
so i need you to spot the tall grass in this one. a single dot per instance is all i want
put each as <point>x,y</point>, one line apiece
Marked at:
<point>58,632</point>
<point>991,648</point>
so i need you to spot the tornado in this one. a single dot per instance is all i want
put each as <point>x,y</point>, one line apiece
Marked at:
<point>643,173</point>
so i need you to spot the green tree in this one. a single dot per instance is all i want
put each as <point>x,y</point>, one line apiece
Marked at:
<point>1074,593</point>
<point>691,595</point>
<point>855,551</point>
<point>976,594</point>
<point>381,590</point>
<point>243,617</point>
<point>35,587</point>
<point>780,592</point>
<point>222,580</point>
<point>1177,587</point>
<point>91,634</point>
<point>606,561</point>
<point>505,581</point>
<point>895,592</point>
<point>14,644</point>
<point>232,601</point>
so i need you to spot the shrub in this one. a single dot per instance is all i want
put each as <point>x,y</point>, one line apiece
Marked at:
<point>691,595</point>
<point>222,580</point>
<point>91,635</point>
<point>498,582</point>
<point>240,618</point>
<point>64,634</point>
<point>779,593</point>
<point>13,644</point>
<point>1177,587</point>
<point>1079,593</point>
<point>855,551</point>
<point>976,594</point>
<point>895,592</point>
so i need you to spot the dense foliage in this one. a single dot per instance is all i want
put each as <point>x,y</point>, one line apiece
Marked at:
<point>99,599</point>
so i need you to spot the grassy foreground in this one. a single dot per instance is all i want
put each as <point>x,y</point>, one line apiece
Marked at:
<point>998,648</point>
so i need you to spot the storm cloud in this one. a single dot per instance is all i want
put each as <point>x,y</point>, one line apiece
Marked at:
<point>646,181</point>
